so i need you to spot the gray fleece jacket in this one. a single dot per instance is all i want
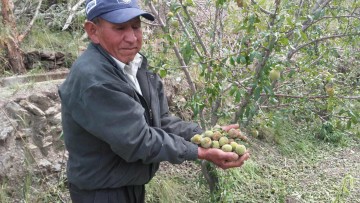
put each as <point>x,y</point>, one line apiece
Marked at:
<point>116,137</point>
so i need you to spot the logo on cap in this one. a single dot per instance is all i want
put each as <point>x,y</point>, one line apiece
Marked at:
<point>90,6</point>
<point>124,1</point>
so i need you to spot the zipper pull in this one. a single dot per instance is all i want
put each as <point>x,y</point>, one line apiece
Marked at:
<point>151,114</point>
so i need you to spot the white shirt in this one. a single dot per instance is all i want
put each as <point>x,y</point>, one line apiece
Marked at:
<point>131,70</point>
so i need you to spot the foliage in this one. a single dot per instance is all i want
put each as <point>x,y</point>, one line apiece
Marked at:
<point>231,49</point>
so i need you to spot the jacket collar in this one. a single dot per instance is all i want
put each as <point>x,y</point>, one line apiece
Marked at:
<point>143,75</point>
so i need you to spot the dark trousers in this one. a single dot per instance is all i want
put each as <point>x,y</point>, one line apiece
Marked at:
<point>127,194</point>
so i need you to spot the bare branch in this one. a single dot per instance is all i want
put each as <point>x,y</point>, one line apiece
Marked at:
<point>28,28</point>
<point>196,31</point>
<point>176,50</point>
<point>188,34</point>
<point>291,53</point>
<point>262,9</point>
<point>313,97</point>
<point>305,25</point>
<point>320,4</point>
<point>72,14</point>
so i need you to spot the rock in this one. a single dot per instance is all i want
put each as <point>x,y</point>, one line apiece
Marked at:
<point>42,101</point>
<point>15,111</point>
<point>44,163</point>
<point>6,132</point>
<point>32,108</point>
<point>56,120</point>
<point>51,111</point>
<point>56,167</point>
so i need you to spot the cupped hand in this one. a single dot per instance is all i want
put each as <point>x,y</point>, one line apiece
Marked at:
<point>222,159</point>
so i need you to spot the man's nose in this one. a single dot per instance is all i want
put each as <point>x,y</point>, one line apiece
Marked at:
<point>130,35</point>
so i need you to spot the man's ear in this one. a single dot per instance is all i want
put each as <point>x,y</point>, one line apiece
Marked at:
<point>92,30</point>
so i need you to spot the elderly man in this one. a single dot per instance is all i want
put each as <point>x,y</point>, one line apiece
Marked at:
<point>116,123</point>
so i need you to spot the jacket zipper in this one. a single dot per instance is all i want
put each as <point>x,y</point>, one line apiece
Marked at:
<point>147,108</point>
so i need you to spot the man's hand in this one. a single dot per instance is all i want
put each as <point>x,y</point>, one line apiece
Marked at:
<point>222,159</point>
<point>228,127</point>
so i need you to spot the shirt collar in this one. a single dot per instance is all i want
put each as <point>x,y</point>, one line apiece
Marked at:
<point>134,64</point>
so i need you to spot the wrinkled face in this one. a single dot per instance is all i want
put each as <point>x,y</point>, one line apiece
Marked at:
<point>122,41</point>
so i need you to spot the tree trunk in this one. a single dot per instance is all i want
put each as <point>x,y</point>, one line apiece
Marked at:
<point>14,54</point>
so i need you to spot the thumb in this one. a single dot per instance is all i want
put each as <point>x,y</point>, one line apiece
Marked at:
<point>231,156</point>
<point>228,127</point>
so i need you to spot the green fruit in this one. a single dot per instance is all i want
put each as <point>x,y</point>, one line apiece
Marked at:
<point>215,144</point>
<point>274,75</point>
<point>254,133</point>
<point>209,133</point>
<point>206,142</point>
<point>233,133</point>
<point>233,144</point>
<point>196,139</point>
<point>170,14</point>
<point>240,149</point>
<point>226,148</point>
<point>330,91</point>
<point>175,23</point>
<point>216,135</point>
<point>223,141</point>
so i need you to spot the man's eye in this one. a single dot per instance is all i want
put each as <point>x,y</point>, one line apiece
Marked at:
<point>135,27</point>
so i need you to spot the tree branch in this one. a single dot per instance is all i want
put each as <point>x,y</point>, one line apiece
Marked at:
<point>188,34</point>
<point>176,50</point>
<point>262,9</point>
<point>72,14</point>
<point>291,53</point>
<point>196,31</point>
<point>28,28</point>
<point>313,97</point>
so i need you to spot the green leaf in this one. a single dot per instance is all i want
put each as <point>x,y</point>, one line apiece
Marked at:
<point>187,52</point>
<point>284,41</point>
<point>232,61</point>
<point>348,126</point>
<point>268,90</point>
<point>237,97</point>
<point>257,92</point>
<point>163,73</point>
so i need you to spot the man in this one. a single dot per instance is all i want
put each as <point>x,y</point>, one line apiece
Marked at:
<point>116,124</point>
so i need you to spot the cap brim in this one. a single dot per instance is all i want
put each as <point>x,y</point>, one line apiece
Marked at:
<point>124,15</point>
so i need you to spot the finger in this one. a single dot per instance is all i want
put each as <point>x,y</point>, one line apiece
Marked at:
<point>237,163</point>
<point>230,156</point>
<point>228,127</point>
<point>245,157</point>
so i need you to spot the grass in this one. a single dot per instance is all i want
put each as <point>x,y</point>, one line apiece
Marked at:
<point>177,183</point>
<point>44,39</point>
<point>299,168</point>
<point>290,165</point>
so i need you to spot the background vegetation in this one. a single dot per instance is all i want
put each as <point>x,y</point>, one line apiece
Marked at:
<point>228,54</point>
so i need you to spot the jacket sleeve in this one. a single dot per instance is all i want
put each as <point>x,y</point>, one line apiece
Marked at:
<point>173,124</point>
<point>113,116</point>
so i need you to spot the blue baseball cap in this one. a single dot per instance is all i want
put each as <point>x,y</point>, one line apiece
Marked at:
<point>115,11</point>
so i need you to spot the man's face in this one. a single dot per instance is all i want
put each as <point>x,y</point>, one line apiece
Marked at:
<point>123,41</point>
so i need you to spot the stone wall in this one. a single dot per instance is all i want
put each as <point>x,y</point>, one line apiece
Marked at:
<point>30,124</point>
<point>30,136</point>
